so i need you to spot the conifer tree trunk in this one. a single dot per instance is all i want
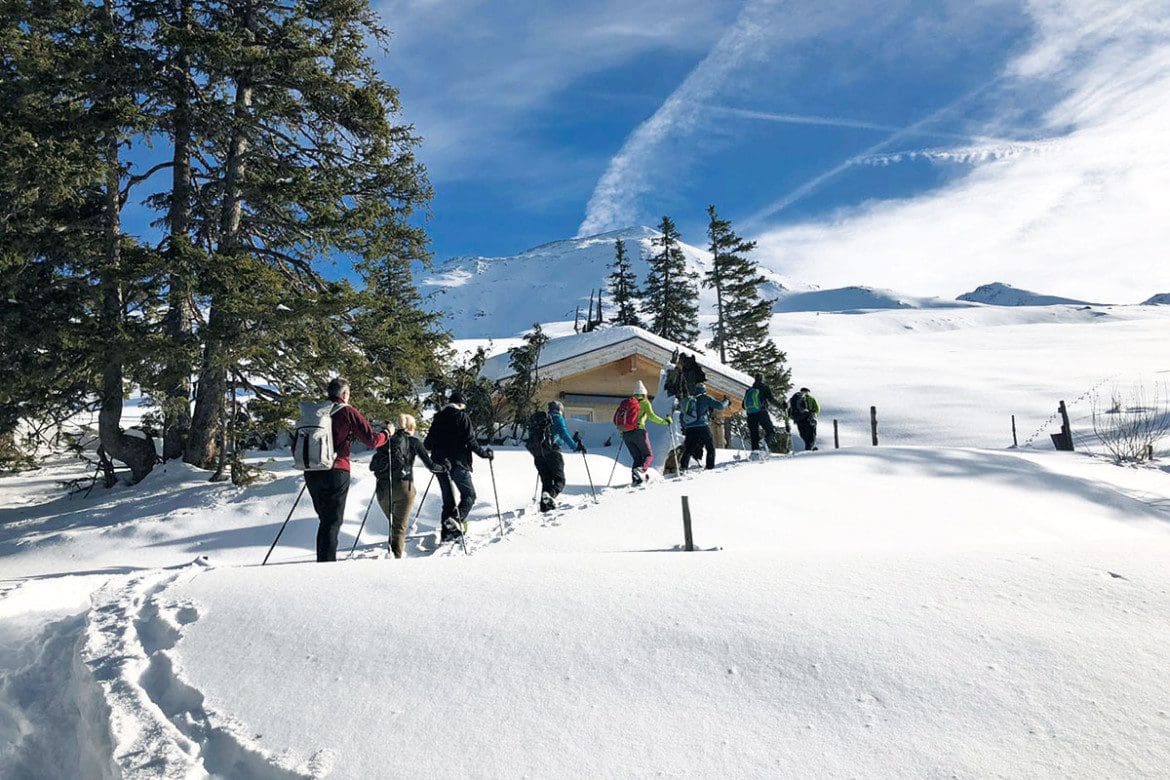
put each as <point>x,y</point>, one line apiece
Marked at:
<point>137,453</point>
<point>720,322</point>
<point>178,324</point>
<point>202,447</point>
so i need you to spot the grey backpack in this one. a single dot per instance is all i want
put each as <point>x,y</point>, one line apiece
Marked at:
<point>313,447</point>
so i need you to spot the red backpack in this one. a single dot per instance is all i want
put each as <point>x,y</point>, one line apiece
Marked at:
<point>626,416</point>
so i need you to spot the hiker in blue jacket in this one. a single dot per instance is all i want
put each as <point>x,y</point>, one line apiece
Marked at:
<point>695,415</point>
<point>547,432</point>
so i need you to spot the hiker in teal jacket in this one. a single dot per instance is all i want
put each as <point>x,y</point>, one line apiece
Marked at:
<point>695,415</point>
<point>755,405</point>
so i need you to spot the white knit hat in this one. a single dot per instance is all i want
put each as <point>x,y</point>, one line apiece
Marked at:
<point>640,389</point>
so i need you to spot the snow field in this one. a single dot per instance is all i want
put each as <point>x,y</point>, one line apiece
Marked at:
<point>953,378</point>
<point>989,637</point>
<point>926,609</point>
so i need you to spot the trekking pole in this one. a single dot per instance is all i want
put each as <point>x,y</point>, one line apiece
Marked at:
<point>536,488</point>
<point>609,481</point>
<point>674,411</point>
<point>496,493</point>
<point>362,526</point>
<point>290,514</point>
<point>584,457</point>
<point>418,511</point>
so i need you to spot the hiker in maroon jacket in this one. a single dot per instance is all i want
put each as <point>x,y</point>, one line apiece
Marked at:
<point>328,488</point>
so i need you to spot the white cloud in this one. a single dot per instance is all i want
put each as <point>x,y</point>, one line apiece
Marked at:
<point>471,71</point>
<point>1087,218</point>
<point>764,52</point>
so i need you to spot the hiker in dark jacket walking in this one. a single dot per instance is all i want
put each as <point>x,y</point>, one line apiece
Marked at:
<point>547,432</point>
<point>755,404</point>
<point>451,441</point>
<point>393,464</point>
<point>329,488</point>
<point>695,416</point>
<point>803,409</point>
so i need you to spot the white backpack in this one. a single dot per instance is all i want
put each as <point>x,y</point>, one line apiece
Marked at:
<point>313,448</point>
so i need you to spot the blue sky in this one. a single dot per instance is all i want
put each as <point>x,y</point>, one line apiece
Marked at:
<point>525,106</point>
<point>928,146</point>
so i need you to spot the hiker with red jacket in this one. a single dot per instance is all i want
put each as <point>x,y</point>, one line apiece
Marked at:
<point>631,417</point>
<point>322,451</point>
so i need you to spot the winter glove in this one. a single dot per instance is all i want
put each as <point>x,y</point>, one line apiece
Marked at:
<point>438,469</point>
<point>581,447</point>
<point>488,454</point>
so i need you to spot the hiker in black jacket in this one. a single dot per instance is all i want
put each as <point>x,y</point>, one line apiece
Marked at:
<point>452,442</point>
<point>393,465</point>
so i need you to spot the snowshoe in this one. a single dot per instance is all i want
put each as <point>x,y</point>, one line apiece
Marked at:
<point>547,504</point>
<point>452,530</point>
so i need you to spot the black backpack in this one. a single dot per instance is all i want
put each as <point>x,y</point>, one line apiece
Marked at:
<point>393,458</point>
<point>797,406</point>
<point>540,439</point>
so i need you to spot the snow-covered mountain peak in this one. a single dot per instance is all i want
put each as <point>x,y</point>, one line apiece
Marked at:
<point>1000,294</point>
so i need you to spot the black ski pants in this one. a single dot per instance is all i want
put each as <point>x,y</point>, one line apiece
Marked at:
<point>638,443</point>
<point>458,477</point>
<point>808,431</point>
<point>757,420</point>
<point>551,467</point>
<point>695,440</point>
<point>328,490</point>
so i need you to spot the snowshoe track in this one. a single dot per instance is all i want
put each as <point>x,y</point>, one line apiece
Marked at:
<point>160,726</point>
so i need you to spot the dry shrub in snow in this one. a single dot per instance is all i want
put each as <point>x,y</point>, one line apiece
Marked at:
<point>1130,428</point>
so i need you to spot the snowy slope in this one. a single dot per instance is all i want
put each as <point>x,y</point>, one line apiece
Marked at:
<point>1020,630</point>
<point>855,299</point>
<point>1159,299</point>
<point>954,377</point>
<point>486,297</point>
<point>999,294</point>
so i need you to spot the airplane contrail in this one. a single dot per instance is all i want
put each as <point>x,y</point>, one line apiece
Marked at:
<point>815,183</point>
<point>858,124</point>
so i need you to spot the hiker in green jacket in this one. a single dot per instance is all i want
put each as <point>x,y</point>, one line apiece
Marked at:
<point>637,440</point>
<point>803,409</point>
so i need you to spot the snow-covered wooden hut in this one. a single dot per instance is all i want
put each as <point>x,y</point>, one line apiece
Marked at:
<point>591,373</point>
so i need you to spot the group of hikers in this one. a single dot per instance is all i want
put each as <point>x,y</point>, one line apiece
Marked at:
<point>321,448</point>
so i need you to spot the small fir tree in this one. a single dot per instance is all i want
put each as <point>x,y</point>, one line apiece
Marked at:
<point>623,288</point>
<point>672,292</point>
<point>742,315</point>
<point>525,364</point>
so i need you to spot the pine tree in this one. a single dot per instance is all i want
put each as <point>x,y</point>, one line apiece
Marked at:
<point>309,166</point>
<point>525,364</point>
<point>623,288</point>
<point>400,342</point>
<point>742,316</point>
<point>671,291</point>
<point>284,157</point>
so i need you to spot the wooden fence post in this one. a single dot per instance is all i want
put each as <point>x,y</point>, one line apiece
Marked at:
<point>873,424</point>
<point>1015,441</point>
<point>686,507</point>
<point>1063,441</point>
<point>836,438</point>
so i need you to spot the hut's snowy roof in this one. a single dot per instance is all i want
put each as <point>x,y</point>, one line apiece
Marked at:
<point>568,355</point>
